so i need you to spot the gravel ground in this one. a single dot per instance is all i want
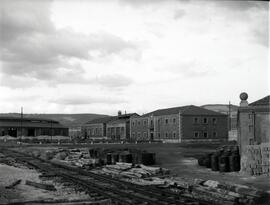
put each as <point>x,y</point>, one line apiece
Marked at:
<point>22,192</point>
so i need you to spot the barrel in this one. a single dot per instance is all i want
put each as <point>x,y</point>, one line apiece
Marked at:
<point>109,158</point>
<point>115,158</point>
<point>223,163</point>
<point>148,158</point>
<point>234,162</point>
<point>214,162</point>
<point>207,160</point>
<point>201,161</point>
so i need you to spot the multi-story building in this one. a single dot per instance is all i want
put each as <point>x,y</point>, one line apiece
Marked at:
<point>96,129</point>
<point>253,121</point>
<point>112,127</point>
<point>231,111</point>
<point>180,124</point>
<point>119,129</point>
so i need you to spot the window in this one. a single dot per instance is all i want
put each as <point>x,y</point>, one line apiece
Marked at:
<point>139,123</point>
<point>166,134</point>
<point>174,135</point>
<point>205,120</point>
<point>144,122</point>
<point>159,121</point>
<point>166,121</point>
<point>151,122</point>
<point>122,129</point>
<point>159,135</point>
<point>174,120</point>
<point>195,120</point>
<point>139,135</point>
<point>214,120</point>
<point>133,123</point>
<point>196,134</point>
<point>214,134</point>
<point>133,135</point>
<point>205,134</point>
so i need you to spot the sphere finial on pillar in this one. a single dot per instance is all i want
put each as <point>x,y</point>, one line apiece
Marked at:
<point>243,97</point>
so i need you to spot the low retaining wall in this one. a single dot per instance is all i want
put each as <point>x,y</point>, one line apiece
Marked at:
<point>255,159</point>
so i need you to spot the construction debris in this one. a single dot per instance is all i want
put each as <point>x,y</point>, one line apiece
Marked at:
<point>48,187</point>
<point>17,182</point>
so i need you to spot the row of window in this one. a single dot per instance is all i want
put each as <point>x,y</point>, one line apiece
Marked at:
<point>205,120</point>
<point>167,135</point>
<point>138,136</point>
<point>204,134</point>
<point>196,120</point>
<point>94,131</point>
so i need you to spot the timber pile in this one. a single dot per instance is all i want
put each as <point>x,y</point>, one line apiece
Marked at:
<point>48,187</point>
<point>215,192</point>
<point>255,159</point>
<point>128,170</point>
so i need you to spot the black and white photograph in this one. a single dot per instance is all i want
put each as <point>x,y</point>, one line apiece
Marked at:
<point>134,102</point>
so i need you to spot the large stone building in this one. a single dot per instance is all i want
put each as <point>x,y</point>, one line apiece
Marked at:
<point>97,128</point>
<point>16,126</point>
<point>253,121</point>
<point>113,128</point>
<point>180,124</point>
<point>231,111</point>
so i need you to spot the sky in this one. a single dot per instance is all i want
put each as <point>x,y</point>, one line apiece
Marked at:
<point>101,56</point>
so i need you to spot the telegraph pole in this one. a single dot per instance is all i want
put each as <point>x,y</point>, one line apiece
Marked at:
<point>21,124</point>
<point>229,115</point>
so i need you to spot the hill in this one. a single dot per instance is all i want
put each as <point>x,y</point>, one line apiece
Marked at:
<point>68,120</point>
<point>222,108</point>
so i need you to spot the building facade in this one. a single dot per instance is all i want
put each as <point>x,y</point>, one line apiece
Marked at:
<point>15,127</point>
<point>97,128</point>
<point>180,124</point>
<point>114,128</point>
<point>119,129</point>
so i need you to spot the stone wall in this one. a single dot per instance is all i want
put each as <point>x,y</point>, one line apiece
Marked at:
<point>255,159</point>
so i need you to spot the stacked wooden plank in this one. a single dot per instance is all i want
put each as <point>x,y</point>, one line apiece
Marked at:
<point>255,159</point>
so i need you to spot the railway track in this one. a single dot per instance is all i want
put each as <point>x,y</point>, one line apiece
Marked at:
<point>120,192</point>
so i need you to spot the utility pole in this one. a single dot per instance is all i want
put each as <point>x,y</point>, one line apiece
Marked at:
<point>229,115</point>
<point>21,124</point>
<point>51,132</point>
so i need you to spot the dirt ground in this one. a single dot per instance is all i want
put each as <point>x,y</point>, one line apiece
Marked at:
<point>24,193</point>
<point>181,159</point>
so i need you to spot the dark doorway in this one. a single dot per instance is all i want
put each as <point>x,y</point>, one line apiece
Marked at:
<point>12,132</point>
<point>151,136</point>
<point>31,132</point>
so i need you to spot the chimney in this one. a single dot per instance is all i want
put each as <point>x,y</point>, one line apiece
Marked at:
<point>119,113</point>
<point>243,98</point>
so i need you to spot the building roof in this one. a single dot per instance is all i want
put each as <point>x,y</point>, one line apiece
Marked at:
<point>26,119</point>
<point>261,102</point>
<point>185,110</point>
<point>118,121</point>
<point>102,120</point>
<point>112,118</point>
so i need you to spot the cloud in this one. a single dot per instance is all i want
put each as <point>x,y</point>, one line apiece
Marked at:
<point>32,47</point>
<point>114,81</point>
<point>179,13</point>
<point>85,100</point>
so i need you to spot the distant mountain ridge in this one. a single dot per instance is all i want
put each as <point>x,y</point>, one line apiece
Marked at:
<point>68,120</point>
<point>222,108</point>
